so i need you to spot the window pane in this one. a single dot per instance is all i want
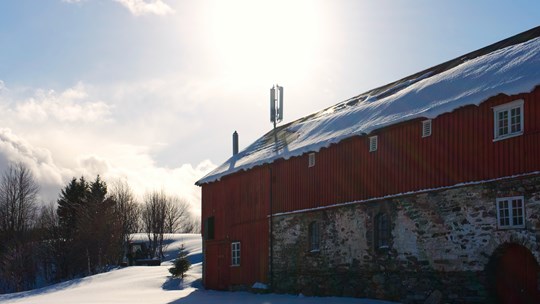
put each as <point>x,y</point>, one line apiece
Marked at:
<point>517,212</point>
<point>511,212</point>
<point>502,123</point>
<point>515,120</point>
<point>235,253</point>
<point>504,213</point>
<point>382,230</point>
<point>373,143</point>
<point>426,128</point>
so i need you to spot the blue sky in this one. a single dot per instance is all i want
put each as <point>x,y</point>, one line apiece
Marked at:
<point>151,91</point>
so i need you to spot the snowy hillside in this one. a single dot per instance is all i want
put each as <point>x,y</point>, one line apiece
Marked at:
<point>143,284</point>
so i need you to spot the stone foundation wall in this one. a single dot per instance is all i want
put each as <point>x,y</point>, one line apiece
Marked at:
<point>440,244</point>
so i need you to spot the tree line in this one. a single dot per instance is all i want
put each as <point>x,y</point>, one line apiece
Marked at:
<point>83,233</point>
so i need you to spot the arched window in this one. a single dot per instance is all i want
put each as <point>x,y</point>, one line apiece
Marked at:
<point>314,237</point>
<point>382,231</point>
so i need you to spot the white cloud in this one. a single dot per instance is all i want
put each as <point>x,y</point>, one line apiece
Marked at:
<point>66,134</point>
<point>139,7</point>
<point>135,166</point>
<point>94,165</point>
<point>71,105</point>
<point>142,7</point>
<point>14,149</point>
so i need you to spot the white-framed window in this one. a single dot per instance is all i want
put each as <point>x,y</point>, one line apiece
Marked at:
<point>511,212</point>
<point>373,143</point>
<point>314,237</point>
<point>311,160</point>
<point>426,128</point>
<point>235,253</point>
<point>508,120</point>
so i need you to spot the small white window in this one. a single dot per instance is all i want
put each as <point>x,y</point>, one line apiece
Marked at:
<point>311,160</point>
<point>426,128</point>
<point>511,212</point>
<point>373,143</point>
<point>235,253</point>
<point>508,119</point>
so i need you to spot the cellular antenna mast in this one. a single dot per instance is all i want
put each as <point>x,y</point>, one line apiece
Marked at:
<point>276,104</point>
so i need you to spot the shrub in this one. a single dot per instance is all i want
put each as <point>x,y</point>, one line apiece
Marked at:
<point>181,264</point>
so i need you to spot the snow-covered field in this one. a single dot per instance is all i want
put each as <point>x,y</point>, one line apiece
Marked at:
<point>143,284</point>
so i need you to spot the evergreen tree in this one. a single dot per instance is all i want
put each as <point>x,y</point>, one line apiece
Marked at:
<point>100,230</point>
<point>91,235</point>
<point>71,200</point>
<point>98,191</point>
<point>181,264</point>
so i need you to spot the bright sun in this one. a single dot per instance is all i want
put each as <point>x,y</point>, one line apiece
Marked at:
<point>267,40</point>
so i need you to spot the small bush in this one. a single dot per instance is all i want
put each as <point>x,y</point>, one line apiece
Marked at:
<point>181,264</point>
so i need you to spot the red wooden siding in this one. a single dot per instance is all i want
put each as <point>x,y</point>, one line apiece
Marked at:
<point>460,149</point>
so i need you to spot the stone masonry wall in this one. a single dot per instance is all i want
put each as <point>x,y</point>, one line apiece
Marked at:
<point>441,242</point>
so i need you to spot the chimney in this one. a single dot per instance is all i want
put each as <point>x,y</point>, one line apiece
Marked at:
<point>235,143</point>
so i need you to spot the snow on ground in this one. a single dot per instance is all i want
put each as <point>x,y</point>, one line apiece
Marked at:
<point>145,284</point>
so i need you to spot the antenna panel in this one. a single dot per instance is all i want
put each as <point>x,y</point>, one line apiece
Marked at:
<point>272,104</point>
<point>280,110</point>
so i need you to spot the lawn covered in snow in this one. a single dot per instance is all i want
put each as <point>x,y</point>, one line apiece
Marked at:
<point>144,284</point>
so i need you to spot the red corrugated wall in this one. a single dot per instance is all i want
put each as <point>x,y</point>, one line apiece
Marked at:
<point>240,206</point>
<point>460,149</point>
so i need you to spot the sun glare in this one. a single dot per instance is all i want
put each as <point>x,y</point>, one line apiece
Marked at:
<point>267,40</point>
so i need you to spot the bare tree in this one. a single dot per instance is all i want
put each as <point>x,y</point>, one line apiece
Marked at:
<point>18,200</point>
<point>191,225</point>
<point>18,267</point>
<point>177,215</point>
<point>48,217</point>
<point>127,209</point>
<point>162,214</point>
<point>50,250</point>
<point>153,215</point>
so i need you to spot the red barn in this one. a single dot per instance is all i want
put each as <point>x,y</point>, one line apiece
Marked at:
<point>425,188</point>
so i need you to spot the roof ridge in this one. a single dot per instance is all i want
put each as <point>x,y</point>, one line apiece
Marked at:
<point>514,67</point>
<point>439,68</point>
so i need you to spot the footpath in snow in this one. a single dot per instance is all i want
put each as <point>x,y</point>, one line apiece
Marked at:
<point>144,284</point>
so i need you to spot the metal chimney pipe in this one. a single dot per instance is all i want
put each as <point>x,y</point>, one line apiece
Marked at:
<point>235,143</point>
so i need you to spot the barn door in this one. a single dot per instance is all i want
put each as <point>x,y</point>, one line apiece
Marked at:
<point>223,267</point>
<point>210,266</point>
<point>216,266</point>
<point>516,275</point>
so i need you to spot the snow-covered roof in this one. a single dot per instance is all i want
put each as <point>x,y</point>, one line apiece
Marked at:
<point>511,66</point>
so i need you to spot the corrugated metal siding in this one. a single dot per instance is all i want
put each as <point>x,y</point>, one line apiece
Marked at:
<point>460,149</point>
<point>240,205</point>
